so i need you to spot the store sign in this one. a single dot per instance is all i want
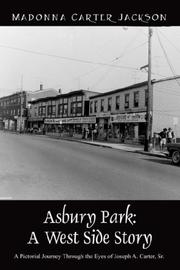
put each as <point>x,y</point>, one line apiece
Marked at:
<point>128,118</point>
<point>35,119</point>
<point>74,120</point>
<point>102,115</point>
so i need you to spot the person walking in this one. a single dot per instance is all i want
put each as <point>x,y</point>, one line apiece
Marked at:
<point>163,139</point>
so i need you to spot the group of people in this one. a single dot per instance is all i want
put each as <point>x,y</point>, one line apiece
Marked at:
<point>166,136</point>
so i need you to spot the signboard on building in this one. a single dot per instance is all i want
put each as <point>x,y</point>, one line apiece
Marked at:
<point>128,118</point>
<point>103,115</point>
<point>74,120</point>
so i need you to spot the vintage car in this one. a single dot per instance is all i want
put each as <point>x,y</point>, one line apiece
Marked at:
<point>174,152</point>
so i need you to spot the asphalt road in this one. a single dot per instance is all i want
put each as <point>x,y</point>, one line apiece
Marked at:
<point>38,167</point>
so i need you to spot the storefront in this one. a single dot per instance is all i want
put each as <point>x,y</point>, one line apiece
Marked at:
<point>103,120</point>
<point>128,128</point>
<point>35,123</point>
<point>69,126</point>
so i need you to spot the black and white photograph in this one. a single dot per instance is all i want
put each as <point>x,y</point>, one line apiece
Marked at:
<point>90,114</point>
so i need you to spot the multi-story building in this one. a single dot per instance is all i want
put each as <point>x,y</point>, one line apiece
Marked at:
<point>121,113</point>
<point>13,112</point>
<point>67,112</point>
<point>14,107</point>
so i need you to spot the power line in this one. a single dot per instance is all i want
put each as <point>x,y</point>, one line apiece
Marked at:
<point>167,59</point>
<point>169,41</point>
<point>66,58</point>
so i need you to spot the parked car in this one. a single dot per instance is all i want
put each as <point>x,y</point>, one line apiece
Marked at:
<point>174,152</point>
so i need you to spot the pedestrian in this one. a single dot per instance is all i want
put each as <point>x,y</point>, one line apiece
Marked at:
<point>170,135</point>
<point>163,138</point>
<point>87,133</point>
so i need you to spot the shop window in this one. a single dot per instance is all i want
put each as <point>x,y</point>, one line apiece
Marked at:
<point>117,102</point>
<point>109,103</point>
<point>126,105</point>
<point>136,99</point>
<point>102,105</point>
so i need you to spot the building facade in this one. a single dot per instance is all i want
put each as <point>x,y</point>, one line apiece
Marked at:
<point>14,108</point>
<point>65,113</point>
<point>121,114</point>
<point>13,111</point>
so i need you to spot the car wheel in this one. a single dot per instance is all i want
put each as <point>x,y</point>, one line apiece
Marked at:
<point>176,157</point>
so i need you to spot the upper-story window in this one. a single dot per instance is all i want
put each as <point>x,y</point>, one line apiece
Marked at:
<point>91,106</point>
<point>117,102</point>
<point>102,105</point>
<point>126,105</point>
<point>109,103</point>
<point>136,99</point>
<point>79,98</point>
<point>95,106</point>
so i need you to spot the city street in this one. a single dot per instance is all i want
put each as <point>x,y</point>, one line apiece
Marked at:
<point>38,167</point>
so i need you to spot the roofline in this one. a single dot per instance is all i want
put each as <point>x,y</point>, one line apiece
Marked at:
<point>120,89</point>
<point>16,93</point>
<point>69,94</point>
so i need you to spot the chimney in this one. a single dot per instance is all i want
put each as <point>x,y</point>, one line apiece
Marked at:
<point>60,91</point>
<point>41,86</point>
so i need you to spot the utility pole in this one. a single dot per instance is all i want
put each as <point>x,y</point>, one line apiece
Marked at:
<point>148,136</point>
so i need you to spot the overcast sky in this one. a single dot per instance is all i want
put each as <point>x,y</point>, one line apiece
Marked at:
<point>95,58</point>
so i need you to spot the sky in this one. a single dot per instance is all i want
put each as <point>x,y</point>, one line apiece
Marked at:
<point>96,58</point>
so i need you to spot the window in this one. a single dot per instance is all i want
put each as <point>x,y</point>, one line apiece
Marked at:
<point>109,103</point>
<point>95,106</point>
<point>79,108</point>
<point>91,106</point>
<point>146,97</point>
<point>126,106</point>
<point>102,105</point>
<point>79,98</point>
<point>65,109</point>
<point>65,100</point>
<point>60,109</point>
<point>73,108</point>
<point>51,109</point>
<point>54,110</point>
<point>117,102</point>
<point>136,99</point>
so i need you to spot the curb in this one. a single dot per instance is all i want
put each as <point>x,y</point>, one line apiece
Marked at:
<point>107,146</point>
<point>152,154</point>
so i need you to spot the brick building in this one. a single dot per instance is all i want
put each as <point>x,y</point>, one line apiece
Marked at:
<point>14,107</point>
<point>13,111</point>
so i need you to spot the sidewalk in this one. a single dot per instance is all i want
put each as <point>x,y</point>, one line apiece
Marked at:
<point>119,146</point>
